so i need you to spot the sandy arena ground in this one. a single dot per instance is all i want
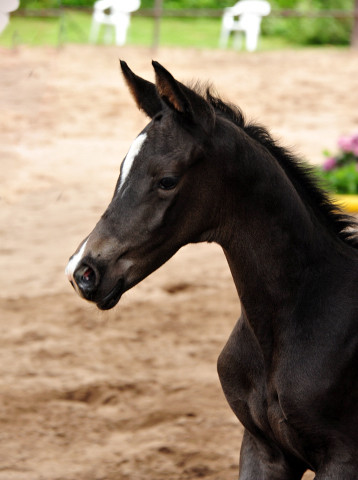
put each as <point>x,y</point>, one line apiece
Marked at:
<point>133,393</point>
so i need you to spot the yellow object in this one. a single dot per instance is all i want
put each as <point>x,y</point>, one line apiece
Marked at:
<point>347,202</point>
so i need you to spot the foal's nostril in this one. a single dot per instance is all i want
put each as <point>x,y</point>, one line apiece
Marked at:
<point>86,279</point>
<point>88,274</point>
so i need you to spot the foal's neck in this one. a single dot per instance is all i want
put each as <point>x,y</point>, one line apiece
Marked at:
<point>272,241</point>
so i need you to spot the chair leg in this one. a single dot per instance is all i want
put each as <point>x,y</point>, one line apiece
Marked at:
<point>252,36</point>
<point>121,27</point>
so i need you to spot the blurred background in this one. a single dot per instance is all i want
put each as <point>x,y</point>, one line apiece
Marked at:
<point>133,394</point>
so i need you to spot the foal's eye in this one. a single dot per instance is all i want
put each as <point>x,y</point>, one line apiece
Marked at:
<point>167,183</point>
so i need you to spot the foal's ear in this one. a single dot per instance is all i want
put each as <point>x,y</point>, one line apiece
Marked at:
<point>190,105</point>
<point>144,92</point>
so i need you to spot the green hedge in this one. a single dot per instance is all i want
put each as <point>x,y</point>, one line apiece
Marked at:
<point>287,4</point>
<point>312,30</point>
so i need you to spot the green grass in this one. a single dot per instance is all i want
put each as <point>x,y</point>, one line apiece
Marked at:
<point>198,32</point>
<point>74,28</point>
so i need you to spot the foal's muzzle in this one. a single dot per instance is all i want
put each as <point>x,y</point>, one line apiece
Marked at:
<point>87,281</point>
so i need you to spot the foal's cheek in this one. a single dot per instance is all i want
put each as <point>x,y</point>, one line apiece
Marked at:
<point>155,220</point>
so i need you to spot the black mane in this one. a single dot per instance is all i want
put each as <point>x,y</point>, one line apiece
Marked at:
<point>302,176</point>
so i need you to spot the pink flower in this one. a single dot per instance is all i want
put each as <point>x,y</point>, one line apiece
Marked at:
<point>355,144</point>
<point>329,164</point>
<point>345,143</point>
<point>349,144</point>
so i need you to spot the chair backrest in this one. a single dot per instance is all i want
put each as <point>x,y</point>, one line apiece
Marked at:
<point>117,6</point>
<point>125,6</point>
<point>255,7</point>
<point>9,5</point>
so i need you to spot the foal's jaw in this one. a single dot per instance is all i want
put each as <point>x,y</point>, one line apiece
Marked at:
<point>103,280</point>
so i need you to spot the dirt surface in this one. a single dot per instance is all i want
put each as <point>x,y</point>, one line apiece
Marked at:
<point>132,393</point>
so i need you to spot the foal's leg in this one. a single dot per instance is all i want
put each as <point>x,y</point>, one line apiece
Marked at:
<point>260,461</point>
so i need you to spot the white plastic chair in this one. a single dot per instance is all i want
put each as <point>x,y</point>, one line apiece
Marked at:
<point>250,13</point>
<point>119,18</point>
<point>7,6</point>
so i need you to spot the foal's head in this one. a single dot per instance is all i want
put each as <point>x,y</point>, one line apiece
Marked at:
<point>162,199</point>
